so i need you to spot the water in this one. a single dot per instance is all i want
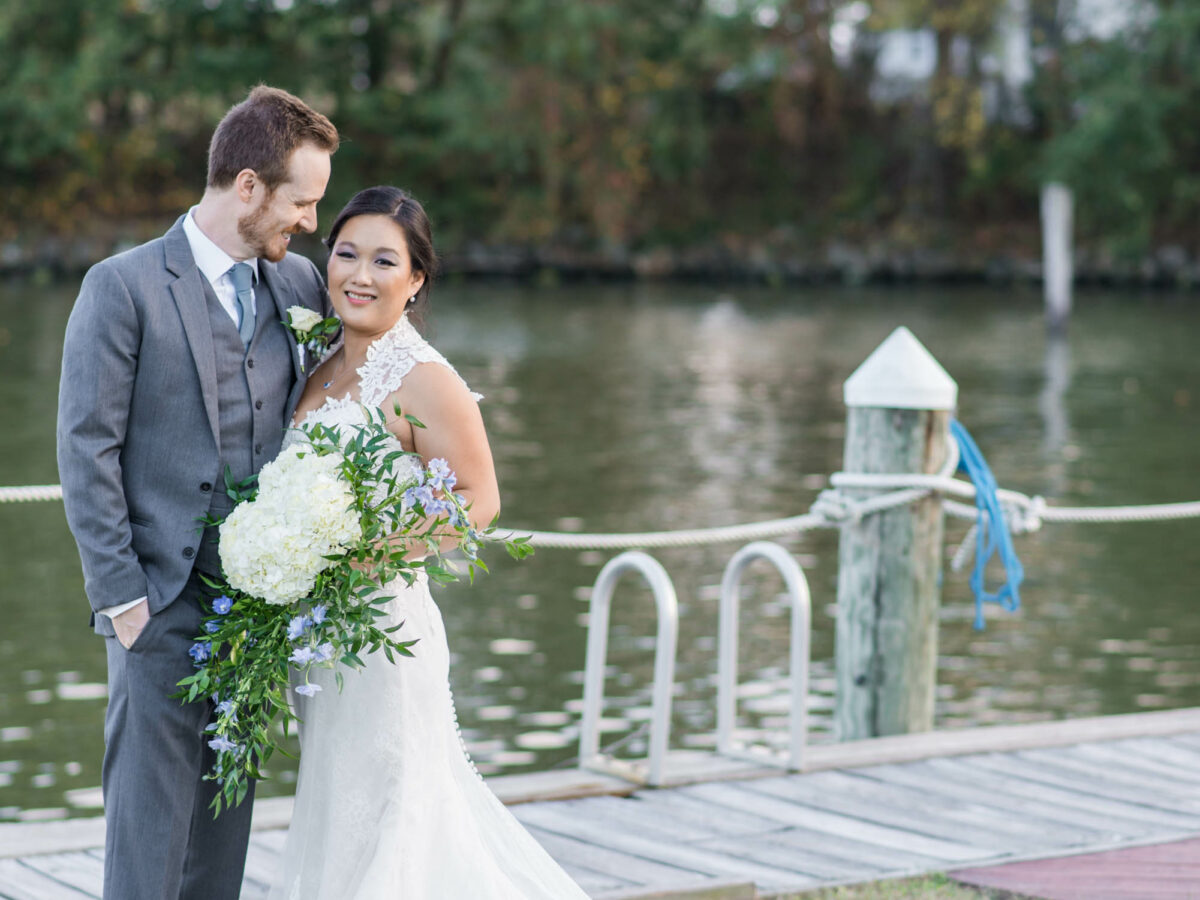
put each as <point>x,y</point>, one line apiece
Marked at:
<point>657,407</point>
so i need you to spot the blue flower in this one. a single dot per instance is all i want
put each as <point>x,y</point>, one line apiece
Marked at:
<point>212,627</point>
<point>199,652</point>
<point>226,708</point>
<point>222,744</point>
<point>298,626</point>
<point>324,653</point>
<point>419,496</point>
<point>441,477</point>
<point>222,605</point>
<point>302,655</point>
<point>318,613</point>
<point>308,690</point>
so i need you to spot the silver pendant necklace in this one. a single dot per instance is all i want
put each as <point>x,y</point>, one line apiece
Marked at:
<point>326,385</point>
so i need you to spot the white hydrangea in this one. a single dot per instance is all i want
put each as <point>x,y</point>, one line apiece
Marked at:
<point>275,546</point>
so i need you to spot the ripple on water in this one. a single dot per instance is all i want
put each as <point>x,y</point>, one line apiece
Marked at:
<point>82,691</point>
<point>511,647</point>
<point>542,740</point>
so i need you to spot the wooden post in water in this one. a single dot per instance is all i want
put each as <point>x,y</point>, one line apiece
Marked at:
<point>1058,265</point>
<point>889,564</point>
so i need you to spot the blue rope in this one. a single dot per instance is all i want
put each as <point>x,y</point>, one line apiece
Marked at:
<point>991,534</point>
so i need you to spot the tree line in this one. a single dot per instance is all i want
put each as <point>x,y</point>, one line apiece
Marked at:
<point>622,124</point>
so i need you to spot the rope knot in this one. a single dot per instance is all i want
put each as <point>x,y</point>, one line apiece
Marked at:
<point>835,507</point>
<point>1027,517</point>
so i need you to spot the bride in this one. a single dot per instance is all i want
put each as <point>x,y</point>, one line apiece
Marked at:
<point>388,806</point>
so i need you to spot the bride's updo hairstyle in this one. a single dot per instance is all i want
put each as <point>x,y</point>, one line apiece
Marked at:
<point>406,211</point>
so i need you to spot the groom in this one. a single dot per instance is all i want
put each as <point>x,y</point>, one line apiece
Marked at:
<point>177,367</point>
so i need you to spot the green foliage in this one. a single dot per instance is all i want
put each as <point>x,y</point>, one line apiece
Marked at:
<point>608,123</point>
<point>1130,144</point>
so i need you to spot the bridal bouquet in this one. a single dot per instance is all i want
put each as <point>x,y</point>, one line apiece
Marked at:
<point>304,553</point>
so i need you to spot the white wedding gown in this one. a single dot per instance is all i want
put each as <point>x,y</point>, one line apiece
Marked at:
<point>388,805</point>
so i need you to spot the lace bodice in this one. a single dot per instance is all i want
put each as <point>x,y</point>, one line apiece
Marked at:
<point>393,356</point>
<point>389,359</point>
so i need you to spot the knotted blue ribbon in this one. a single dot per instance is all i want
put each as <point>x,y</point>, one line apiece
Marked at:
<point>991,535</point>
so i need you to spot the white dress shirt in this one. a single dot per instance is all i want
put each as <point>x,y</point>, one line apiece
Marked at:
<point>214,264</point>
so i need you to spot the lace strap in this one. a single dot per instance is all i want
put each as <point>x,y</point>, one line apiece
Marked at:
<point>392,357</point>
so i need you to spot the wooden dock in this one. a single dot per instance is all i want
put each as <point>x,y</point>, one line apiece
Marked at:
<point>864,811</point>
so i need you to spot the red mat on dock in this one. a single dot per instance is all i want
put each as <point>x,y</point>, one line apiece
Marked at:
<point>1138,873</point>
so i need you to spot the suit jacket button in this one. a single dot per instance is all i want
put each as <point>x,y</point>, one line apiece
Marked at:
<point>206,486</point>
<point>258,448</point>
<point>258,404</point>
<point>188,552</point>
<point>249,364</point>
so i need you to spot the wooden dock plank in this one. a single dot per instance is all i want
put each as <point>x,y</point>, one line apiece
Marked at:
<point>1073,825</point>
<point>1190,739</point>
<point>743,824</point>
<point>955,809</point>
<point>272,840</point>
<point>1160,750</point>
<point>1183,791</point>
<point>262,867</point>
<point>719,819</point>
<point>1132,761</point>
<point>908,810</point>
<point>797,857</point>
<point>619,871</point>
<point>19,881</point>
<point>744,795</point>
<point>712,864</point>
<point>1134,816</point>
<point>872,856</point>
<point>1166,807</point>
<point>649,821</point>
<point>83,872</point>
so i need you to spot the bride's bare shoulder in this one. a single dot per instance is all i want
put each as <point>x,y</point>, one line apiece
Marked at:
<point>436,382</point>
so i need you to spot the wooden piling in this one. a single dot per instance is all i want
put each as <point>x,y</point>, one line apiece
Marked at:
<point>1058,266</point>
<point>889,564</point>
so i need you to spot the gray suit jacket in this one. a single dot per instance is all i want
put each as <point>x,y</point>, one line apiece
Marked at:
<point>138,418</point>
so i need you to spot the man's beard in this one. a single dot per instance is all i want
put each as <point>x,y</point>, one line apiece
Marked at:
<point>270,246</point>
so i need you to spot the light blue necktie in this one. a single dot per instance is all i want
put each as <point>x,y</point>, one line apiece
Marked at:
<point>242,277</point>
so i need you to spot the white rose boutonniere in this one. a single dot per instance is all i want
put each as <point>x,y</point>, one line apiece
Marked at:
<point>310,330</point>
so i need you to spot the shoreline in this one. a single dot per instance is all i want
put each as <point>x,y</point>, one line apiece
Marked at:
<point>876,263</point>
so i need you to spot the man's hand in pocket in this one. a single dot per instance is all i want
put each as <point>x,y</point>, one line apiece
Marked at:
<point>130,623</point>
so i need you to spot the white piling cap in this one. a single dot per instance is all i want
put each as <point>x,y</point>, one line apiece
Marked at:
<point>901,374</point>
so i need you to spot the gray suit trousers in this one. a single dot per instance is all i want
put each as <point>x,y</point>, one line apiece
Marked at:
<point>162,841</point>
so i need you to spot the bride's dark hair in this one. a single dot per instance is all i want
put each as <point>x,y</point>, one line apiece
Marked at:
<point>407,212</point>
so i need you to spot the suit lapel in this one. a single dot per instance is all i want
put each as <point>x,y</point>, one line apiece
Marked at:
<point>188,292</point>
<point>283,296</point>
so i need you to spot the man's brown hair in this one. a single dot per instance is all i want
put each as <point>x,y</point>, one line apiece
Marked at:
<point>261,132</point>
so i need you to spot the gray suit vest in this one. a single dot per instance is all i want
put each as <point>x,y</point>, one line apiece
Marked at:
<point>252,394</point>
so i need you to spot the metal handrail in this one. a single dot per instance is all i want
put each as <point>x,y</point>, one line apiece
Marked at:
<point>664,668</point>
<point>801,607</point>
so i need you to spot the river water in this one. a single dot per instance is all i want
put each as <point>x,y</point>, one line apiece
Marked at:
<point>646,407</point>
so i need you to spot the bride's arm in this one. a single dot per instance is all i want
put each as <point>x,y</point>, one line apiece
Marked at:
<point>453,431</point>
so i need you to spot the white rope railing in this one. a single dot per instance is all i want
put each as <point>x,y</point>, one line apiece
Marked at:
<point>30,492</point>
<point>832,509</point>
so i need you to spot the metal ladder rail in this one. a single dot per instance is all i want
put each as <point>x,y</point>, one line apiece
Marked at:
<point>664,668</point>
<point>801,629</point>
